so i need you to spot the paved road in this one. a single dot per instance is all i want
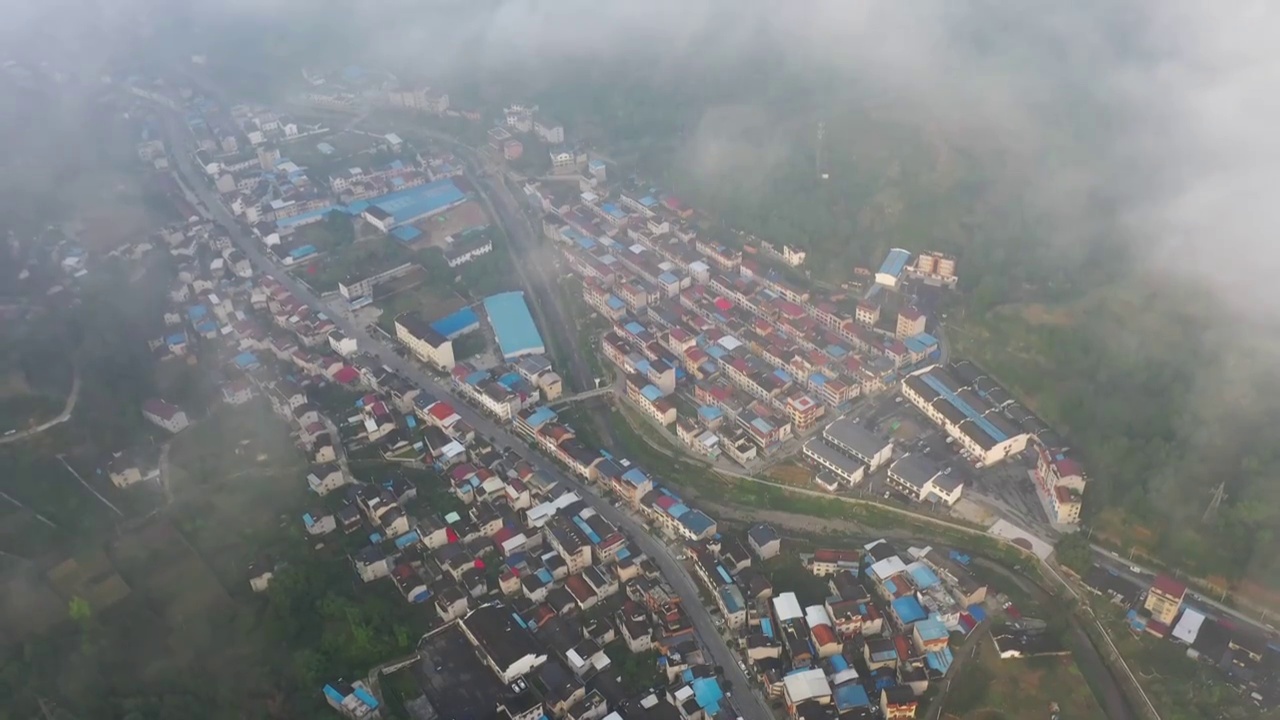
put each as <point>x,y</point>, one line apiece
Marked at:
<point>61,417</point>
<point>681,582</point>
<point>1144,577</point>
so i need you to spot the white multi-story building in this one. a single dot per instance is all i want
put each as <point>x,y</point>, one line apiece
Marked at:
<point>424,341</point>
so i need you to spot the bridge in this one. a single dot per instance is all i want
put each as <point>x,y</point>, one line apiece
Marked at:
<point>567,399</point>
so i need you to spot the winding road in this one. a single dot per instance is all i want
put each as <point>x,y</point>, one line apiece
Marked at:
<point>65,415</point>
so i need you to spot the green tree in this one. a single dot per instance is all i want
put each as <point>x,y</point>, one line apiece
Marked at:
<point>1074,552</point>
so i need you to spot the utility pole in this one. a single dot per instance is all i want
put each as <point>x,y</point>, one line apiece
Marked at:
<point>1218,495</point>
<point>822,132</point>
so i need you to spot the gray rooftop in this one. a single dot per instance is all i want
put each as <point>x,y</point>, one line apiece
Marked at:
<point>914,470</point>
<point>855,437</point>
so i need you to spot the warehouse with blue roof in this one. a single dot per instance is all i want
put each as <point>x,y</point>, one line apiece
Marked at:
<point>406,206</point>
<point>513,325</point>
<point>891,269</point>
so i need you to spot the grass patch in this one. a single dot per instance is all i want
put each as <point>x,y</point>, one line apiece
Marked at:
<point>786,571</point>
<point>989,687</point>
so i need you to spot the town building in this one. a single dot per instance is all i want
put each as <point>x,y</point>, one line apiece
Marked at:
<point>911,322</point>
<point>967,413</point>
<point>857,442</point>
<point>165,415</point>
<point>503,641</point>
<point>1060,483</point>
<point>921,481</point>
<point>424,341</point>
<point>1164,599</point>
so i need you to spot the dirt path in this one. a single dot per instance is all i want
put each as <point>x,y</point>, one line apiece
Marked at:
<point>61,417</point>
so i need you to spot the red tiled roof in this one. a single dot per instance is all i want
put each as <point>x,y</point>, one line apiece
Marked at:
<point>346,375</point>
<point>823,635</point>
<point>441,411</point>
<point>904,650</point>
<point>160,408</point>
<point>579,587</point>
<point>1168,586</point>
<point>833,555</point>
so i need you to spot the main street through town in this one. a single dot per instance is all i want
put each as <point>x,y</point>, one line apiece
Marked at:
<point>748,702</point>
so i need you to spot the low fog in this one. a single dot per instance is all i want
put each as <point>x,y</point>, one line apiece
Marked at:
<point>1165,109</point>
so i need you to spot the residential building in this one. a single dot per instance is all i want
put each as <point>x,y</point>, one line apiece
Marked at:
<point>341,344</point>
<point>764,541</point>
<point>1060,483</point>
<point>503,641</point>
<point>550,132</point>
<point>867,313</point>
<point>1164,599</point>
<point>898,703</point>
<point>847,469</point>
<point>803,411</point>
<point>424,341</point>
<point>920,480</point>
<point>352,700</point>
<point>911,322</point>
<point>968,412</point>
<point>859,443</point>
<point>164,414</point>
<point>828,561</point>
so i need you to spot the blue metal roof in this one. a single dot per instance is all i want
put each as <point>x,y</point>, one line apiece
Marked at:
<point>592,535</point>
<point>940,660</point>
<point>894,262</point>
<point>332,693</point>
<point>851,695</point>
<point>304,218</point>
<point>246,359</point>
<point>766,627</point>
<point>408,205</point>
<point>931,628</point>
<point>635,476</point>
<point>406,233</point>
<point>708,693</point>
<point>697,522</point>
<point>924,577</point>
<point>540,417</point>
<point>458,323</point>
<point>908,610</point>
<point>614,302</point>
<point>513,325</point>
<point>964,407</point>
<point>651,393</point>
